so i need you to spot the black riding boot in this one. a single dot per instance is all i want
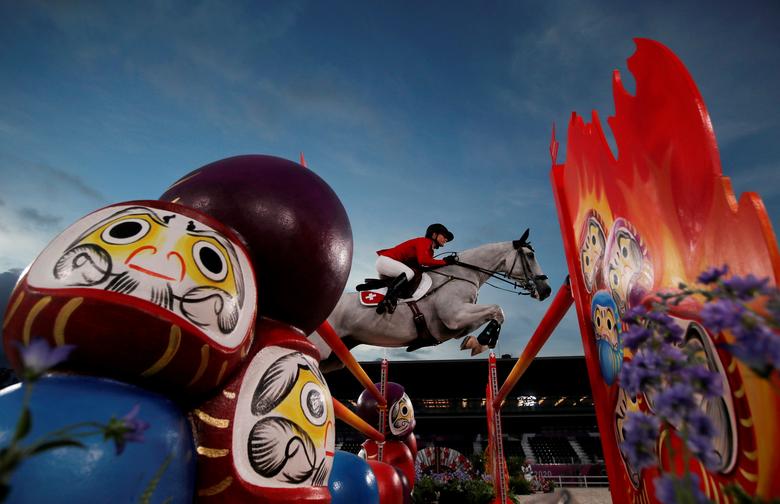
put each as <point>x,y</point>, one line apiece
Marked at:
<point>390,301</point>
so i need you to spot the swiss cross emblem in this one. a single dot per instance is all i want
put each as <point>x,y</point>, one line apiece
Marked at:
<point>370,298</point>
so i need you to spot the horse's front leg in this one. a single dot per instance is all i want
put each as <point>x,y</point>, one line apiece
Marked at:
<point>466,317</point>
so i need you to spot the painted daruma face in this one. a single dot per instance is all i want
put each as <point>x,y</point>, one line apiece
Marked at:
<point>165,258</point>
<point>629,270</point>
<point>401,415</point>
<point>283,430</point>
<point>147,286</point>
<point>592,252</point>
<point>606,329</point>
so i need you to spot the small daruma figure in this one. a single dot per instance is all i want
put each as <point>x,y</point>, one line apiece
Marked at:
<point>628,269</point>
<point>592,244</point>
<point>150,292</point>
<point>607,329</point>
<point>400,422</point>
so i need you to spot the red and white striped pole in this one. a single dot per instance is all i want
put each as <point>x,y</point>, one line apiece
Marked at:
<point>382,408</point>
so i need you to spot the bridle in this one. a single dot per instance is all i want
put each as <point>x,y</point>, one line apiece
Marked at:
<point>524,285</point>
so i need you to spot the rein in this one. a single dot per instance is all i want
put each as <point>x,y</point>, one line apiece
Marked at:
<point>520,286</point>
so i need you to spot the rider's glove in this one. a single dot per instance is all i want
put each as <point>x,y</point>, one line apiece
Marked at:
<point>451,259</point>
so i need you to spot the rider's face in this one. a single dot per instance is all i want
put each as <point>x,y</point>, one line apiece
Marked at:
<point>440,239</point>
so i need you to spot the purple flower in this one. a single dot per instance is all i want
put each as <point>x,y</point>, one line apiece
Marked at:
<point>634,314</point>
<point>129,428</point>
<point>674,403</point>
<point>670,489</point>
<point>639,373</point>
<point>636,336</point>
<point>665,325</point>
<point>671,359</point>
<point>746,287</point>
<point>704,381</point>
<point>756,345</point>
<point>713,274</point>
<point>641,433</point>
<point>38,357</point>
<point>700,432</point>
<point>722,314</point>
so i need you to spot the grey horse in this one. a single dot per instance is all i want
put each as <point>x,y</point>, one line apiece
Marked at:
<point>449,308</point>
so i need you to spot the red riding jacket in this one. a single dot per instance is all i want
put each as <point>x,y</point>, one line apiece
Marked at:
<point>414,253</point>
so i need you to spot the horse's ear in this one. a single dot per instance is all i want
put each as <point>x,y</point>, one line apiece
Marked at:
<point>524,238</point>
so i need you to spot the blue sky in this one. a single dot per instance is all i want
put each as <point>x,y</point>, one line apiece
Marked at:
<point>414,112</point>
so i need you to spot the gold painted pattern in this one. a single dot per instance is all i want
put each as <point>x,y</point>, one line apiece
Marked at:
<point>62,319</point>
<point>185,179</point>
<point>174,341</point>
<point>216,489</point>
<point>748,475</point>
<point>13,309</point>
<point>204,362</point>
<point>750,455</point>
<point>726,498</point>
<point>707,490</point>
<point>739,394</point>
<point>228,394</point>
<point>746,422</point>
<point>221,372</point>
<point>219,423</point>
<point>28,322</point>
<point>709,480</point>
<point>212,452</point>
<point>732,366</point>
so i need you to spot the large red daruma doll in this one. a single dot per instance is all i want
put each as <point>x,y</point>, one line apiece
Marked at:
<point>270,435</point>
<point>149,292</point>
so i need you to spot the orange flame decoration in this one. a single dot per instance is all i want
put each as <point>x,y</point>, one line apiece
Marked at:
<point>678,214</point>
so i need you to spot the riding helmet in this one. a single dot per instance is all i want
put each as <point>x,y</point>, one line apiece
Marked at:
<point>439,228</point>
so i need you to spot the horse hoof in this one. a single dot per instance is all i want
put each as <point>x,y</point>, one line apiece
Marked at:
<point>468,342</point>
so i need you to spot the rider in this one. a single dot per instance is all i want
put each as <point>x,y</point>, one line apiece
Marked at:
<point>398,262</point>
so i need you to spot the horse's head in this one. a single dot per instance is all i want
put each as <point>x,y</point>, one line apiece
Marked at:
<point>525,268</point>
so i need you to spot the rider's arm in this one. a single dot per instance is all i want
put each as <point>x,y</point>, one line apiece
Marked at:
<point>425,253</point>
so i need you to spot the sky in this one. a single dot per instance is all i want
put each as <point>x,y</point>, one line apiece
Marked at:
<point>414,112</point>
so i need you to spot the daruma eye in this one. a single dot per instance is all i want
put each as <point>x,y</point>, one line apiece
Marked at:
<point>210,261</point>
<point>125,231</point>
<point>313,403</point>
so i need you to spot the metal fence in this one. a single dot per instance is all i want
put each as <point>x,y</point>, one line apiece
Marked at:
<point>563,481</point>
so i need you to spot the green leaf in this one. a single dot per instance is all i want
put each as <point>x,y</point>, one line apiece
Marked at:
<point>23,424</point>
<point>57,443</point>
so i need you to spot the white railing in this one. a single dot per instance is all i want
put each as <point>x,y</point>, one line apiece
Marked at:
<point>563,481</point>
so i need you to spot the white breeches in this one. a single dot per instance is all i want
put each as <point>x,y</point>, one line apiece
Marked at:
<point>392,268</point>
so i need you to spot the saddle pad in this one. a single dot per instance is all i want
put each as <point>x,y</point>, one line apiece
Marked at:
<point>374,297</point>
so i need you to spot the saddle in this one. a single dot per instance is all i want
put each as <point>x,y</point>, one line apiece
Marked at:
<point>373,290</point>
